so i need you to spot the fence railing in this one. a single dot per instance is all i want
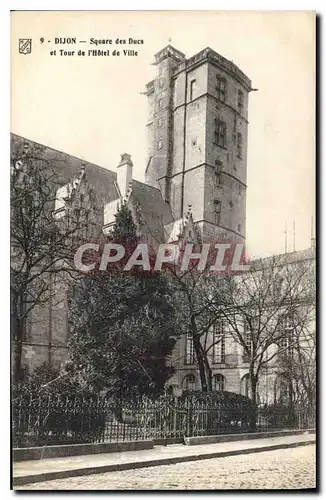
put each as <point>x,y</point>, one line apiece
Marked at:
<point>58,420</point>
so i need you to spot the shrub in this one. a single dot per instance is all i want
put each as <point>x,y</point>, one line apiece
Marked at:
<point>226,411</point>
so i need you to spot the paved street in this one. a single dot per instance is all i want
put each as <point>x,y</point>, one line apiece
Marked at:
<point>292,468</point>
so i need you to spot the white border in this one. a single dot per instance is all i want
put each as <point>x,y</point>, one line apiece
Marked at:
<point>318,6</point>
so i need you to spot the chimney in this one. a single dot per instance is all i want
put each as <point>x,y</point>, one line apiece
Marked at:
<point>124,176</point>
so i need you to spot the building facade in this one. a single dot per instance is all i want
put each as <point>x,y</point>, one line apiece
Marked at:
<point>195,190</point>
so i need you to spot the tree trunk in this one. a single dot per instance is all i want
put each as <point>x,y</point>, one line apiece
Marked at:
<point>18,335</point>
<point>253,413</point>
<point>18,350</point>
<point>200,362</point>
<point>209,377</point>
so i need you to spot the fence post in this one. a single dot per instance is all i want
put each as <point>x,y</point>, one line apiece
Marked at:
<point>189,418</point>
<point>175,409</point>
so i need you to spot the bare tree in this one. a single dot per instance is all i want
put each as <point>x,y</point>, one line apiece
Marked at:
<point>257,304</point>
<point>297,368</point>
<point>41,245</point>
<point>197,293</point>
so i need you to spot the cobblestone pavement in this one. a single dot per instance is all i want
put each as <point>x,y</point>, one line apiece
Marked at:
<point>292,468</point>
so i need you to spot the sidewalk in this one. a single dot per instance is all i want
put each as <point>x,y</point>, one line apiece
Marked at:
<point>33,471</point>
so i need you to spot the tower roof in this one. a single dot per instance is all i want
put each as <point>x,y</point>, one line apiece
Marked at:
<point>169,51</point>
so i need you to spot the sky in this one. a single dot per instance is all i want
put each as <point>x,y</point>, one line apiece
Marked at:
<point>93,107</point>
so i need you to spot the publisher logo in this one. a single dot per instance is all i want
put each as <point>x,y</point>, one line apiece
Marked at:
<point>25,45</point>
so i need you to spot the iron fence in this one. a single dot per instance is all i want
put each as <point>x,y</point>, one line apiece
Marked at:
<point>58,420</point>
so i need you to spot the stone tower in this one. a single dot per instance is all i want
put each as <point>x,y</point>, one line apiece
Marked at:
<point>197,139</point>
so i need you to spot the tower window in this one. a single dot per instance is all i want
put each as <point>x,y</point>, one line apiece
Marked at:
<point>160,103</point>
<point>239,145</point>
<point>239,228</point>
<point>217,173</point>
<point>160,122</point>
<point>220,133</point>
<point>217,211</point>
<point>221,88</point>
<point>192,89</point>
<point>240,100</point>
<point>160,144</point>
<point>161,82</point>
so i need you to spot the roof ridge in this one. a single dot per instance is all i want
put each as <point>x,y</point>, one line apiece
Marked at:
<point>62,152</point>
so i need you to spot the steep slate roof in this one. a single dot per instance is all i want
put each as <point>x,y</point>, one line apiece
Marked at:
<point>155,212</point>
<point>68,167</point>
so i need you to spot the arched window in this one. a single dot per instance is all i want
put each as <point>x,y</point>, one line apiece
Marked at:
<point>189,382</point>
<point>244,385</point>
<point>218,382</point>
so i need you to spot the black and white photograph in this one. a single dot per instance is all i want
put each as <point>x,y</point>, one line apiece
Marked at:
<point>163,250</point>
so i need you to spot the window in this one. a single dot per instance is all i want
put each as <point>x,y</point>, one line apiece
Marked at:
<point>218,382</point>
<point>239,228</point>
<point>240,100</point>
<point>249,331</point>
<point>190,352</point>
<point>239,145</point>
<point>281,390</point>
<point>161,82</point>
<point>285,343</point>
<point>220,133</point>
<point>221,88</point>
<point>189,382</point>
<point>278,287</point>
<point>217,212</point>
<point>160,122</point>
<point>192,89</point>
<point>28,329</point>
<point>217,172</point>
<point>160,144</point>
<point>160,103</point>
<point>244,385</point>
<point>219,330</point>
